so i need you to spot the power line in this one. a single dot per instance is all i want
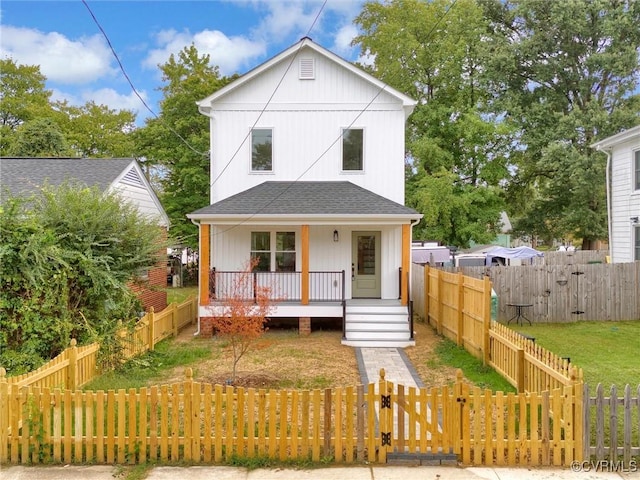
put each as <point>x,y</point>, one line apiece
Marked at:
<point>135,91</point>
<point>295,55</point>
<point>382,88</point>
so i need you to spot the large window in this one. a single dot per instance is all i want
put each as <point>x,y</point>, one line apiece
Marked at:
<point>280,259</point>
<point>352,149</point>
<point>261,150</point>
<point>637,169</point>
<point>637,245</point>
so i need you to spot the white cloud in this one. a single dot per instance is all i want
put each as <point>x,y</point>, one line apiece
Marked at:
<point>342,42</point>
<point>230,54</point>
<point>286,18</point>
<point>60,59</point>
<point>105,96</point>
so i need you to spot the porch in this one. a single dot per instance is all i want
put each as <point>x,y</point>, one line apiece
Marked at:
<point>370,322</point>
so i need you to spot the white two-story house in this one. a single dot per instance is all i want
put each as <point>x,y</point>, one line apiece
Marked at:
<point>307,176</point>
<point>623,193</point>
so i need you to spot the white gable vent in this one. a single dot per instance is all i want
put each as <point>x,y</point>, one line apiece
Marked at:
<point>132,178</point>
<point>307,69</point>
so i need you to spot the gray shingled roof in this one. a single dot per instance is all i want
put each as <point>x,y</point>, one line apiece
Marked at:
<point>25,176</point>
<point>306,198</point>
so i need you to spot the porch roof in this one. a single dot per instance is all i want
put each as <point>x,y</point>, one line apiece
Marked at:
<point>340,199</point>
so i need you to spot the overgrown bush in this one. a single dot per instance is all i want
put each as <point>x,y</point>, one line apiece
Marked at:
<point>67,258</point>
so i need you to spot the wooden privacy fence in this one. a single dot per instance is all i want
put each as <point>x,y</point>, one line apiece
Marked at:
<point>204,423</point>
<point>459,307</point>
<point>566,292</point>
<point>76,366</point>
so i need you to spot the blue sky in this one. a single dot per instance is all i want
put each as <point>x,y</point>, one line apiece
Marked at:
<point>63,39</point>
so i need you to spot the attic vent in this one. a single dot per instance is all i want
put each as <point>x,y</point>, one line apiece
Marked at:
<point>307,69</point>
<point>132,178</point>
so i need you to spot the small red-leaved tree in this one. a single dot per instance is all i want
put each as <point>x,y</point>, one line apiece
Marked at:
<point>246,309</point>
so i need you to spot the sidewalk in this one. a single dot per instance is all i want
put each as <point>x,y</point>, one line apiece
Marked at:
<point>332,473</point>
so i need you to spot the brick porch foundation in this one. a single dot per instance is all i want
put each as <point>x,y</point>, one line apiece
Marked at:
<point>304,326</point>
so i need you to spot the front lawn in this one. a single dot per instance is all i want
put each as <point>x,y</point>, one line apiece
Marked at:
<point>607,352</point>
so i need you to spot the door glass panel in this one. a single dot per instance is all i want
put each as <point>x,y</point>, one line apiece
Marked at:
<point>366,255</point>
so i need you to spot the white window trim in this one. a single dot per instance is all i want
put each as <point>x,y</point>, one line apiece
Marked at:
<point>273,243</point>
<point>273,153</point>
<point>635,155</point>
<point>364,151</point>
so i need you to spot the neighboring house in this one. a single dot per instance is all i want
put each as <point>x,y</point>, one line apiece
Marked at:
<point>26,176</point>
<point>310,181</point>
<point>623,193</point>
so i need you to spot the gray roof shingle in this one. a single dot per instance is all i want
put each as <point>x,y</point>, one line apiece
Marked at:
<point>25,176</point>
<point>306,198</point>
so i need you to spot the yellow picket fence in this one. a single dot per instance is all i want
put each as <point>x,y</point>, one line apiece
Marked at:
<point>76,366</point>
<point>204,423</point>
<point>527,366</point>
<point>459,307</point>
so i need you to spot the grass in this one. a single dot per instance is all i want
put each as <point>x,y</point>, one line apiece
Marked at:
<point>483,376</point>
<point>607,352</point>
<point>179,295</point>
<point>150,368</point>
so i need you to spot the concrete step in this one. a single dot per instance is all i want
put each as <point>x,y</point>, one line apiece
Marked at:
<point>377,310</point>
<point>366,325</point>
<point>377,334</point>
<point>377,343</point>
<point>432,459</point>
<point>378,318</point>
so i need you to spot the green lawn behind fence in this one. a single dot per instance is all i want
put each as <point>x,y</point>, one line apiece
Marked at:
<point>607,352</point>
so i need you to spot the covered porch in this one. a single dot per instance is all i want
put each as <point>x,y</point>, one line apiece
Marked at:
<point>348,259</point>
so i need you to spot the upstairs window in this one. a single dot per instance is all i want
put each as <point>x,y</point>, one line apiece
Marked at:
<point>637,169</point>
<point>352,149</point>
<point>261,150</point>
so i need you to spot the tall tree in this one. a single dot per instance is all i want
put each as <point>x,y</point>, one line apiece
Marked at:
<point>178,139</point>
<point>23,97</point>
<point>567,74</point>
<point>38,138</point>
<point>94,130</point>
<point>434,52</point>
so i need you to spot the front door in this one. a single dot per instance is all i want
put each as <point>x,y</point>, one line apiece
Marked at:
<point>365,265</point>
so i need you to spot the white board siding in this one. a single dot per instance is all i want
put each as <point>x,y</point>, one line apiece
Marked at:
<point>230,251</point>
<point>625,201</point>
<point>143,200</point>
<point>307,118</point>
<point>307,146</point>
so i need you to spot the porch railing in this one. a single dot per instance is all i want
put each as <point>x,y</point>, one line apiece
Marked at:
<point>284,286</point>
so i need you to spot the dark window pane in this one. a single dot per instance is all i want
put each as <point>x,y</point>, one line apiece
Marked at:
<point>264,261</point>
<point>352,148</point>
<point>261,151</point>
<point>637,229</point>
<point>260,241</point>
<point>638,170</point>
<point>285,262</point>
<point>367,255</point>
<point>285,241</point>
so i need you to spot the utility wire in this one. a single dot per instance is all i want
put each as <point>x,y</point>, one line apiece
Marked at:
<point>295,55</point>
<point>124,72</point>
<point>435,25</point>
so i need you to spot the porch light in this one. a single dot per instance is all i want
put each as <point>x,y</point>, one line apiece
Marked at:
<point>634,221</point>
<point>335,236</point>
